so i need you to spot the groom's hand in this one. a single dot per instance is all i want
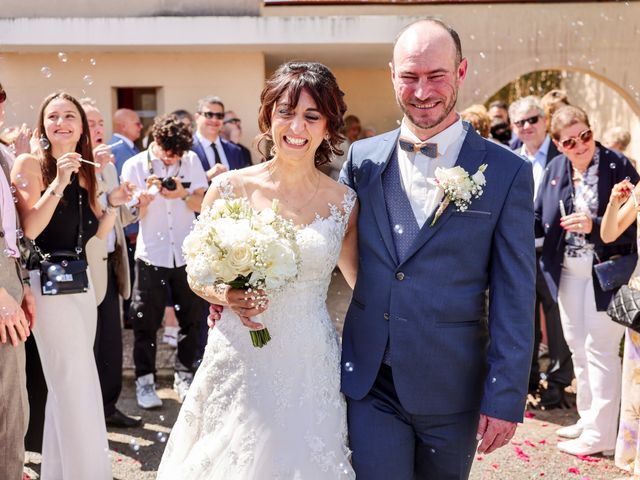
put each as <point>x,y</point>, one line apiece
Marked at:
<point>494,433</point>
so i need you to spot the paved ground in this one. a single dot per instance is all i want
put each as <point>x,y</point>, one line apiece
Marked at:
<point>533,454</point>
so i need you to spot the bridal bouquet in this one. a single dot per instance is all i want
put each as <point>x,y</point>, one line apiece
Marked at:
<point>459,187</point>
<point>233,244</point>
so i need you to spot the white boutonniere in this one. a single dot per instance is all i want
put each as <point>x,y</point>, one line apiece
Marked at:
<point>459,187</point>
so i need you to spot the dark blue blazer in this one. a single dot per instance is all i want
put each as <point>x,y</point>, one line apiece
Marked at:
<point>448,353</point>
<point>556,185</point>
<point>122,152</point>
<point>233,152</point>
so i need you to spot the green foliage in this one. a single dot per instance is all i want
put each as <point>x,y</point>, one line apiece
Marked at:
<point>532,83</point>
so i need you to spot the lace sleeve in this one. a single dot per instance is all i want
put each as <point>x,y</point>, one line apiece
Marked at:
<point>343,214</point>
<point>224,185</point>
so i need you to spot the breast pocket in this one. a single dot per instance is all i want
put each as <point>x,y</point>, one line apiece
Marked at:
<point>481,214</point>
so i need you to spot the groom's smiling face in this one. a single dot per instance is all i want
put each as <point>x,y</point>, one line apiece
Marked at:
<point>426,75</point>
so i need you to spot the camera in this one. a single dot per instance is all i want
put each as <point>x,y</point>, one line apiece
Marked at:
<point>169,183</point>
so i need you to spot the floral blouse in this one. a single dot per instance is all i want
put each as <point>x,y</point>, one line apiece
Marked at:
<point>585,199</point>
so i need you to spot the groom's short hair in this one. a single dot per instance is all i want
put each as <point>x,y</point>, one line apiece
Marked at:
<point>454,35</point>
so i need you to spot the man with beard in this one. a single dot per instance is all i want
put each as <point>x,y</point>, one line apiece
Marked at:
<point>429,367</point>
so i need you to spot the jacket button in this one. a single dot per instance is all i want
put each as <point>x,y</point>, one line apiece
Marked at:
<point>386,316</point>
<point>400,276</point>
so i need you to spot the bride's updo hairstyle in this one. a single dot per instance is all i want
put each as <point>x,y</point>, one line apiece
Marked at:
<point>289,80</point>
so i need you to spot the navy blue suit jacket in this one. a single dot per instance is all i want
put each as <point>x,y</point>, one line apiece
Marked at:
<point>556,185</point>
<point>234,154</point>
<point>122,152</point>
<point>448,353</point>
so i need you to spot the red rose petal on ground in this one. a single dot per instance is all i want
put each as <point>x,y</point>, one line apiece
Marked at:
<point>529,415</point>
<point>515,442</point>
<point>587,458</point>
<point>544,425</point>
<point>573,470</point>
<point>479,458</point>
<point>520,454</point>
<point>530,443</point>
<point>542,442</point>
<point>495,466</point>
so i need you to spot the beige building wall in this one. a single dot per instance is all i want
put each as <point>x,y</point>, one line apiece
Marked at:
<point>183,78</point>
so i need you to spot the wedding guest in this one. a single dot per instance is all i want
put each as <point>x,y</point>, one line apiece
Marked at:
<point>620,214</point>
<point>500,122</point>
<point>127,128</point>
<point>175,176</point>
<point>479,119</point>
<point>110,276</point>
<point>216,154</point>
<point>17,317</point>
<point>528,120</point>
<point>617,138</point>
<point>60,211</point>
<point>352,130</point>
<point>580,182</point>
<point>232,131</point>
<point>551,102</point>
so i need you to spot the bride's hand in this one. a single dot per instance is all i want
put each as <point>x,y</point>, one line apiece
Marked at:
<point>245,305</point>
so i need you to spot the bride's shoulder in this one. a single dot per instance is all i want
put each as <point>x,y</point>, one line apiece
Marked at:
<point>338,194</point>
<point>235,182</point>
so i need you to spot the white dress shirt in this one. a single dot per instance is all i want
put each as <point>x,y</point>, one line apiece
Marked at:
<point>167,221</point>
<point>417,171</point>
<point>208,150</point>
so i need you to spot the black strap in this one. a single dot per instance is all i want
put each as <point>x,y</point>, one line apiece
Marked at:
<point>78,248</point>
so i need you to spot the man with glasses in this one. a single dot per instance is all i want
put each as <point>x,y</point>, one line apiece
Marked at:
<point>173,174</point>
<point>216,154</point>
<point>528,121</point>
<point>232,131</point>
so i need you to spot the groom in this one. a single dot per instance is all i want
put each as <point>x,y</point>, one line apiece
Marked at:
<point>430,366</point>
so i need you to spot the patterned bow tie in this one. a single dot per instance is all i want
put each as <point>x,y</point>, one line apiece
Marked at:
<point>426,148</point>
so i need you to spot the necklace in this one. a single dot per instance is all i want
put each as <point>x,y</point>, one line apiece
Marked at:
<point>297,210</point>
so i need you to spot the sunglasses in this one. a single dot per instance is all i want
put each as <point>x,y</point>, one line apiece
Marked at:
<point>232,120</point>
<point>570,143</point>
<point>210,115</point>
<point>3,95</point>
<point>531,121</point>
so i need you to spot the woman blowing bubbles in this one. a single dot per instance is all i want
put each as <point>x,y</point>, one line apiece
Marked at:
<point>59,210</point>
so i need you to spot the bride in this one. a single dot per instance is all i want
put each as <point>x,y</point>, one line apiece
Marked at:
<point>277,412</point>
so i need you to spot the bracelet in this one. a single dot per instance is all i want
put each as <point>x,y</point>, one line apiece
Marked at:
<point>53,193</point>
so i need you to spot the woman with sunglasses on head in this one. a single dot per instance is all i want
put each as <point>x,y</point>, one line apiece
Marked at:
<point>59,210</point>
<point>570,205</point>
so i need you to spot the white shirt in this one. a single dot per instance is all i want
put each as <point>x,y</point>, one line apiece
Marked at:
<point>167,221</point>
<point>417,170</point>
<point>8,208</point>
<point>208,150</point>
<point>125,139</point>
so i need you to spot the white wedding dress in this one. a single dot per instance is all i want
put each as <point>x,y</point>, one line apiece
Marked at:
<point>274,412</point>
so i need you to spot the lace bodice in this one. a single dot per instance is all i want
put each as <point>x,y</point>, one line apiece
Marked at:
<point>274,412</point>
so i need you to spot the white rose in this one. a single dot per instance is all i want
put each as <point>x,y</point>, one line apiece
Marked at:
<point>240,258</point>
<point>199,268</point>
<point>478,178</point>
<point>267,216</point>
<point>224,271</point>
<point>191,244</point>
<point>281,264</point>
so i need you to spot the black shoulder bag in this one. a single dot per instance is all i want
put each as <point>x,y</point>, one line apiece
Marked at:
<point>64,272</point>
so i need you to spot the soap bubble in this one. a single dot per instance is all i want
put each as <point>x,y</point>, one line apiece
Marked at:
<point>398,229</point>
<point>348,366</point>
<point>92,61</point>
<point>162,437</point>
<point>88,80</point>
<point>176,308</point>
<point>63,57</point>
<point>139,314</point>
<point>134,445</point>
<point>21,181</point>
<point>44,143</point>
<point>46,72</point>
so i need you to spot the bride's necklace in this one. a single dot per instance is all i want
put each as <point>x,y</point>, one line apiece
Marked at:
<point>296,210</point>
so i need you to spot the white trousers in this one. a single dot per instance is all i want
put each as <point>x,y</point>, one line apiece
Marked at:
<point>75,442</point>
<point>594,341</point>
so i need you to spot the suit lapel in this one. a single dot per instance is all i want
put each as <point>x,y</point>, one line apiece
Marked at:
<point>376,192</point>
<point>471,156</point>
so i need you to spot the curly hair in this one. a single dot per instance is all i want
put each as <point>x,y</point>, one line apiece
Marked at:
<point>172,135</point>
<point>48,164</point>
<point>290,80</point>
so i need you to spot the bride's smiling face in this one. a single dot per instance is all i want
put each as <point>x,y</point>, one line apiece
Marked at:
<point>298,130</point>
